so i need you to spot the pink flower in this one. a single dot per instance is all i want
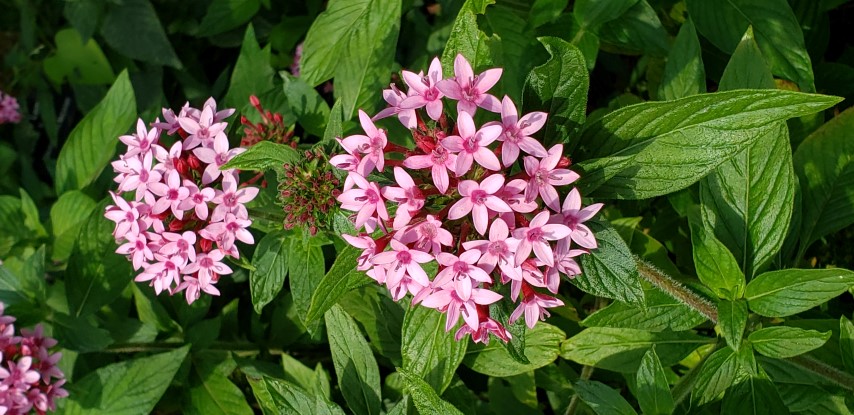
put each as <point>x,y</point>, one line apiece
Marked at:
<point>366,199</point>
<point>137,247</point>
<point>471,145</point>
<point>426,92</point>
<point>394,97</point>
<point>485,327</point>
<point>209,266</point>
<point>544,177</point>
<point>456,302</point>
<point>171,195</point>
<point>227,231</point>
<point>348,162</point>
<point>138,175</point>
<point>197,199</point>
<point>179,244</point>
<point>470,90</point>
<point>428,236</point>
<point>140,143</point>
<point>9,109</point>
<point>498,250</point>
<point>171,124</point>
<point>192,287</point>
<point>513,194</point>
<point>402,261</point>
<point>216,157</point>
<point>534,306</point>
<point>461,271</point>
<point>517,133</point>
<point>535,237</point>
<point>203,130</point>
<point>163,273</point>
<point>167,159</point>
<point>565,263</point>
<point>574,217</point>
<point>477,198</point>
<point>439,161</point>
<point>371,145</point>
<point>231,199</point>
<point>368,247</point>
<point>408,195</point>
<point>125,215</point>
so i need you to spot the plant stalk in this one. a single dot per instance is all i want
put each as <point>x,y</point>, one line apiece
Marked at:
<point>586,373</point>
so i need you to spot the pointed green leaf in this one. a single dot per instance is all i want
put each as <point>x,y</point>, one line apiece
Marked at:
<point>542,346</point>
<point>610,270</point>
<point>653,391</point>
<point>252,73</point>
<point>425,398</point>
<point>466,39</point>
<point>305,270</point>
<point>716,267</point>
<point>276,397</point>
<point>430,352</point>
<point>781,342</point>
<point>211,392</point>
<point>271,267</point>
<point>660,312</point>
<point>355,366</point>
<point>717,374</point>
<point>637,31</point>
<point>67,215</point>
<point>747,67</point>
<point>263,156</point>
<point>341,279</point>
<point>602,399</point>
<point>684,74</point>
<point>224,15</point>
<point>791,291</point>
<point>732,318</point>
<point>147,42</point>
<point>846,343</point>
<point>753,396</point>
<point>593,13</point>
<point>309,107</point>
<point>92,143</point>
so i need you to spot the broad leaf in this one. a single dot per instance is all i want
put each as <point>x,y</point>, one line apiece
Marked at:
<point>747,67</point>
<point>430,352</point>
<point>67,215</point>
<point>602,399</point>
<point>271,267</point>
<point>846,343</point>
<point>753,396</point>
<point>341,279</point>
<point>224,15</point>
<point>684,74</point>
<point>380,316</point>
<point>716,267</point>
<point>824,163</point>
<point>660,312</point>
<point>637,31</point>
<point>355,366</point>
<point>719,372</point>
<point>425,398</point>
<point>791,291</point>
<point>311,110</point>
<point>732,319</point>
<point>305,268</point>
<point>781,342</point>
<point>125,388</point>
<point>262,156</point>
<point>610,270</point>
<point>653,390</point>
<point>211,392</point>
<point>559,87</point>
<point>777,33</point>
<point>147,41</point>
<point>591,14</point>
<point>252,73</point>
<point>621,350</point>
<point>542,346</point>
<point>276,397</point>
<point>654,148</point>
<point>466,39</point>
<point>92,143</point>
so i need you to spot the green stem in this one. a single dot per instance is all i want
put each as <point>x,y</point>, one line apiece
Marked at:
<point>678,291</point>
<point>586,373</point>
<point>239,348</point>
<point>831,373</point>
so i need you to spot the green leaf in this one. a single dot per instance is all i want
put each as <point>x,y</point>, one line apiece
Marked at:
<point>334,129</point>
<point>126,388</point>
<point>748,200</point>
<point>621,349</point>
<point>211,392</point>
<point>67,215</point>
<point>92,143</point>
<point>791,291</point>
<point>277,397</point>
<point>147,41</point>
<point>309,107</point>
<point>559,87</point>
<point>151,312</point>
<point>602,399</point>
<point>84,15</point>
<point>300,375</point>
<point>224,15</point>
<point>781,342</point>
<point>684,74</point>
<point>81,63</point>
<point>846,343</point>
<point>355,366</point>
<point>305,266</point>
<point>95,274</point>
<point>252,73</point>
<point>542,346</point>
<point>610,270</point>
<point>424,396</point>
<point>25,278</point>
<point>380,316</point>
<point>366,54</point>
<point>262,156</point>
<point>716,267</point>
<point>717,374</point>
<point>655,148</point>
<point>653,390</point>
<point>270,263</point>
<point>430,352</point>
<point>824,163</point>
<point>341,279</point>
<point>466,39</point>
<point>511,43</point>
<point>637,31</point>
<point>777,33</point>
<point>79,334</point>
<point>591,14</point>
<point>732,319</point>
<point>660,312</point>
<point>32,223</point>
<point>753,396</point>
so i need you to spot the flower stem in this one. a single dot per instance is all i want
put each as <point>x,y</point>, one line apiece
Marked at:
<point>678,291</point>
<point>831,373</point>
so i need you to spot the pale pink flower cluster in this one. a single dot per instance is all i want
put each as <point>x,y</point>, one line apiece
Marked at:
<point>184,213</point>
<point>29,377</point>
<point>455,202</point>
<point>9,109</point>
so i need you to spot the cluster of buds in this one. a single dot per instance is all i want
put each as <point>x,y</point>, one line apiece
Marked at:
<point>186,213</point>
<point>457,203</point>
<point>308,192</point>
<point>271,127</point>
<point>9,109</point>
<point>29,377</point>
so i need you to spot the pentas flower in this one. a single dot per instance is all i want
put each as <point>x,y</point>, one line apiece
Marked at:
<point>9,109</point>
<point>30,381</point>
<point>488,224</point>
<point>186,212</point>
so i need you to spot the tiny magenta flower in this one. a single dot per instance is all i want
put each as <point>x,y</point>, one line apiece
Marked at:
<point>498,250</point>
<point>517,132</point>
<point>534,307</point>
<point>425,90</point>
<point>402,261</point>
<point>9,109</point>
<point>202,130</point>
<point>428,236</point>
<point>366,199</point>
<point>573,216</point>
<point>536,235</point>
<point>471,144</point>
<point>544,176</point>
<point>370,145</point>
<point>479,199</point>
<point>470,90</point>
<point>141,141</point>
<point>395,98</point>
<point>216,157</point>
<point>439,161</point>
<point>409,197</point>
<point>368,247</point>
<point>461,272</point>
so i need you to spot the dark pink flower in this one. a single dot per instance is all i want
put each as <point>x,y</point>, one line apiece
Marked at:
<point>544,177</point>
<point>172,194</point>
<point>428,236</point>
<point>371,145</point>
<point>517,132</point>
<point>471,145</point>
<point>536,237</point>
<point>395,97</point>
<point>461,272</point>
<point>424,91</point>
<point>408,196</point>
<point>202,130</point>
<point>477,198</point>
<point>534,307</point>
<point>573,216</point>
<point>140,143</point>
<point>402,261</point>
<point>470,90</point>
<point>216,157</point>
<point>499,250</point>
<point>486,326</point>
<point>440,160</point>
<point>368,247</point>
<point>366,199</point>
<point>455,302</point>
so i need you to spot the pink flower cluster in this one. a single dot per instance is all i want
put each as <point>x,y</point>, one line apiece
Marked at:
<point>457,203</point>
<point>29,377</point>
<point>9,109</point>
<point>185,214</point>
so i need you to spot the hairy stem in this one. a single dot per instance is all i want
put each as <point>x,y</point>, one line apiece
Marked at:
<point>586,373</point>
<point>831,373</point>
<point>239,348</point>
<point>678,291</point>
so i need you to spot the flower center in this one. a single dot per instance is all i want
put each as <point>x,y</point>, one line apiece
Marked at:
<point>372,196</point>
<point>143,175</point>
<point>172,194</point>
<point>534,234</point>
<point>206,262</point>
<point>428,230</point>
<point>404,257</point>
<point>478,196</point>
<point>498,248</point>
<point>461,268</point>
